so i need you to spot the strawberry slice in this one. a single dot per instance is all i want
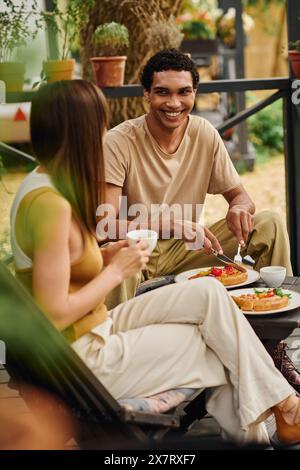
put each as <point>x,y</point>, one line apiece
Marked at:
<point>229,269</point>
<point>216,272</point>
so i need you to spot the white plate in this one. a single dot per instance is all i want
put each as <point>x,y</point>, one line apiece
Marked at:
<point>294,302</point>
<point>252,276</point>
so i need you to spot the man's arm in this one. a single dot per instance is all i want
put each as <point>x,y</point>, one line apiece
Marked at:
<point>112,196</point>
<point>240,213</point>
<point>190,231</point>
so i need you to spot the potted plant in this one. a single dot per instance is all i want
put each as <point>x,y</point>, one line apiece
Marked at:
<point>15,33</point>
<point>163,35</point>
<point>65,24</point>
<point>111,39</point>
<point>294,57</point>
<point>226,27</point>
<point>198,28</point>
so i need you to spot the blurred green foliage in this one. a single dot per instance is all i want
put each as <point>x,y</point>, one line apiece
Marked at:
<point>266,129</point>
<point>196,30</point>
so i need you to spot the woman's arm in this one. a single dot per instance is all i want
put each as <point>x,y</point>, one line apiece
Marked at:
<point>50,228</point>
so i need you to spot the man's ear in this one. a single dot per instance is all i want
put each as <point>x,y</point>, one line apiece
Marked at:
<point>146,96</point>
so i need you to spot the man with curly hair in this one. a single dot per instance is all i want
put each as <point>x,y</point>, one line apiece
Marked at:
<point>170,158</point>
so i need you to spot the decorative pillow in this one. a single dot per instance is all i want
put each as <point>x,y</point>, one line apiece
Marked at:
<point>159,403</point>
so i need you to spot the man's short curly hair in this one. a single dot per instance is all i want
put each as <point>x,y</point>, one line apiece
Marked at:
<point>168,59</point>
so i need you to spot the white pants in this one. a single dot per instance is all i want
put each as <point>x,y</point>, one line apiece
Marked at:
<point>189,335</point>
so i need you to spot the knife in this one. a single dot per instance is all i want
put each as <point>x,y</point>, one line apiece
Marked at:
<point>229,261</point>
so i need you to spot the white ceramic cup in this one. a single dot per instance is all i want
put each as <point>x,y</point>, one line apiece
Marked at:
<point>150,236</point>
<point>273,275</point>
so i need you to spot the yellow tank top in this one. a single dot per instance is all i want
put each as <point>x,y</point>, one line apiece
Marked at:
<point>86,268</point>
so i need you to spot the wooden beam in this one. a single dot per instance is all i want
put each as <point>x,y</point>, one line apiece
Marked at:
<point>218,86</point>
<point>292,148</point>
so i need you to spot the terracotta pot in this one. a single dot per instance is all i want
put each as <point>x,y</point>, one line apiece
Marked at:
<point>294,57</point>
<point>12,73</point>
<point>109,71</point>
<point>58,69</point>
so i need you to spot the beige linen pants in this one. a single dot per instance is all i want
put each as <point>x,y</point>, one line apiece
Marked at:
<point>268,244</point>
<point>189,335</point>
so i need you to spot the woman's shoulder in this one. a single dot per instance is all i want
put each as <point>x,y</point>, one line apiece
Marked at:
<point>46,196</point>
<point>41,213</point>
<point>45,202</point>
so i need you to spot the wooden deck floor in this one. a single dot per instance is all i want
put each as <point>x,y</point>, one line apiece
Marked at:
<point>206,427</point>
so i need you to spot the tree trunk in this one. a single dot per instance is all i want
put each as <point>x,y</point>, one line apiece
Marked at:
<point>138,16</point>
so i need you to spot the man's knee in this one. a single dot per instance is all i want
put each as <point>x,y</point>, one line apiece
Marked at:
<point>268,218</point>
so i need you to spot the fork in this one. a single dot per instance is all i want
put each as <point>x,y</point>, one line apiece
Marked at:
<point>238,259</point>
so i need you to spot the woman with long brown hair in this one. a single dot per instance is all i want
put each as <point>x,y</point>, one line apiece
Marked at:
<point>184,335</point>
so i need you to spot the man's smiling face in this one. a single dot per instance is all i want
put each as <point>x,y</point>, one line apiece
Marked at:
<point>171,98</point>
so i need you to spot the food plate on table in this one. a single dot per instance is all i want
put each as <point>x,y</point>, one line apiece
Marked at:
<point>265,301</point>
<point>228,275</point>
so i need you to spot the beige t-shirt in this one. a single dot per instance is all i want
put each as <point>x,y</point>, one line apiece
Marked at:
<point>148,175</point>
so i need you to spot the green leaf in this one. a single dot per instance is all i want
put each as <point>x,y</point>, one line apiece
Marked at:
<point>278,291</point>
<point>259,291</point>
